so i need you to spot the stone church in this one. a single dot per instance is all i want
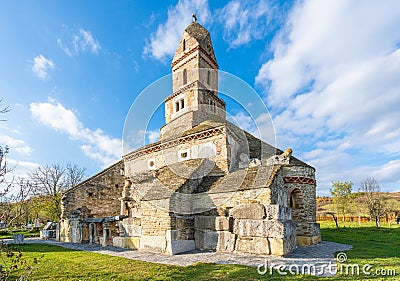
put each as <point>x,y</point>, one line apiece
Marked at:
<point>205,184</point>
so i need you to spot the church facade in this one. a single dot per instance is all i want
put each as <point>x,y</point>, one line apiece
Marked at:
<point>206,184</point>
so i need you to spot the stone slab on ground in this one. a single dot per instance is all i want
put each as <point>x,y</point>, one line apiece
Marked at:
<point>321,255</point>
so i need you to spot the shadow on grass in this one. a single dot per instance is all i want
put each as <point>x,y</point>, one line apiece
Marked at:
<point>43,248</point>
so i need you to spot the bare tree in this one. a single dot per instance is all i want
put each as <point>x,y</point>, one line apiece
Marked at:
<point>74,174</point>
<point>373,199</point>
<point>3,110</point>
<point>4,167</point>
<point>334,218</point>
<point>17,205</point>
<point>51,181</point>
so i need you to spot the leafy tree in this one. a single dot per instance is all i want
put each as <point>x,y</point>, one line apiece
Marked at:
<point>373,199</point>
<point>341,193</point>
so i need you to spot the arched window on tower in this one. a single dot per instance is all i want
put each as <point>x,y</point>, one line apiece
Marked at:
<point>184,45</point>
<point>184,76</point>
<point>208,77</point>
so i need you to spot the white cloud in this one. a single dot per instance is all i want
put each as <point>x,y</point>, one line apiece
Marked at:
<point>244,121</point>
<point>153,135</point>
<point>164,41</point>
<point>334,78</point>
<point>97,144</point>
<point>42,66</point>
<point>78,42</point>
<point>245,21</point>
<point>20,168</point>
<point>16,145</point>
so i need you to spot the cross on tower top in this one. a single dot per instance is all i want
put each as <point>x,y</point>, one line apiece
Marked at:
<point>194,17</point>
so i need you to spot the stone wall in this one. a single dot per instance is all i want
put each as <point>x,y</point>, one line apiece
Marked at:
<point>95,197</point>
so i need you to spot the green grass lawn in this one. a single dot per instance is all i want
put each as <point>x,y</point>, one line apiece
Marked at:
<point>378,247</point>
<point>27,234</point>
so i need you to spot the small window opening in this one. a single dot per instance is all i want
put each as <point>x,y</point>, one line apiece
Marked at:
<point>184,76</point>
<point>291,202</point>
<point>179,105</point>
<point>184,44</point>
<point>184,154</point>
<point>151,163</point>
<point>208,77</point>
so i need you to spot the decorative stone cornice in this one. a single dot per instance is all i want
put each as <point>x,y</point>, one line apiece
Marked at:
<point>191,51</point>
<point>164,145</point>
<point>210,93</point>
<point>298,179</point>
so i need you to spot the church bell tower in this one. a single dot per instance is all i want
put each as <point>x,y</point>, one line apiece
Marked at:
<point>195,84</point>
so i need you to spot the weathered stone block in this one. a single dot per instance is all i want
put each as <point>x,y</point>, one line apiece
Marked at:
<point>171,235</point>
<point>226,241</point>
<point>282,247</point>
<point>132,243</point>
<point>133,230</point>
<point>118,242</point>
<point>263,228</point>
<point>277,246</point>
<point>206,239</point>
<point>253,211</point>
<point>180,246</point>
<point>185,233</point>
<point>131,221</point>
<point>204,222</point>
<point>153,243</point>
<point>254,245</point>
<point>277,212</point>
<point>182,222</point>
<point>223,223</point>
<point>127,242</point>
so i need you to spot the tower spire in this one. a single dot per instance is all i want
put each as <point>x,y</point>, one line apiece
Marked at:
<point>194,83</point>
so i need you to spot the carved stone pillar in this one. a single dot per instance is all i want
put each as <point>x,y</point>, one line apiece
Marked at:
<point>125,198</point>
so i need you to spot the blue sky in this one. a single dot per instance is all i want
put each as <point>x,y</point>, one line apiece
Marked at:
<point>328,71</point>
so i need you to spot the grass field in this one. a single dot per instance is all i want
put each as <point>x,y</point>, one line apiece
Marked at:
<point>377,247</point>
<point>27,234</point>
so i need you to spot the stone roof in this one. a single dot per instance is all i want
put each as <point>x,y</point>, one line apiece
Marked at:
<point>102,172</point>
<point>197,31</point>
<point>180,186</point>
<point>202,36</point>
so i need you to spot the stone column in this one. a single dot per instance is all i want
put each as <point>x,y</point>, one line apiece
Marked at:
<point>85,233</point>
<point>107,237</point>
<point>92,233</point>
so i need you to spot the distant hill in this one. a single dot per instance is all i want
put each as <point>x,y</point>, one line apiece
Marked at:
<point>357,208</point>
